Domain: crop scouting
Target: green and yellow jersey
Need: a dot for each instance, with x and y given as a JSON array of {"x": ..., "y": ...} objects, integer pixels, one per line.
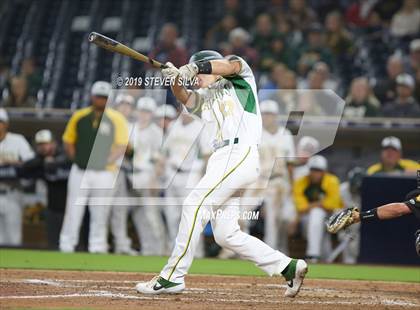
[
  {"x": 401, "y": 166},
  {"x": 328, "y": 193},
  {"x": 95, "y": 136}
]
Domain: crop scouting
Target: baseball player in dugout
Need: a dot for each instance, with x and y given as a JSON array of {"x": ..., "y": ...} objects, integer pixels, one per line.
[
  {"x": 227, "y": 97},
  {"x": 51, "y": 165},
  {"x": 14, "y": 149},
  {"x": 277, "y": 151},
  {"x": 183, "y": 150},
  {"x": 316, "y": 195},
  {"x": 391, "y": 159},
  {"x": 146, "y": 141},
  {"x": 124, "y": 103},
  {"x": 94, "y": 139}
]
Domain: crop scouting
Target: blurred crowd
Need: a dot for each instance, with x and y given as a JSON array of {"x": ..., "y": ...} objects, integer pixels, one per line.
[
  {"x": 367, "y": 51},
  {"x": 291, "y": 46}
]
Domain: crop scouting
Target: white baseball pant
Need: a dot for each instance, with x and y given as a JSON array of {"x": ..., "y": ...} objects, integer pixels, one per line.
[
  {"x": 92, "y": 188},
  {"x": 10, "y": 218},
  {"x": 119, "y": 215},
  {"x": 229, "y": 169},
  {"x": 319, "y": 241},
  {"x": 147, "y": 218},
  {"x": 275, "y": 228}
]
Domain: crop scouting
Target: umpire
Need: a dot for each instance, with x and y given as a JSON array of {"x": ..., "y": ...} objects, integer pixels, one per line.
[{"x": 95, "y": 137}]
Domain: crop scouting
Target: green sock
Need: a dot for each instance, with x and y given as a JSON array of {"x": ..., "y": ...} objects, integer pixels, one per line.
[{"x": 290, "y": 270}]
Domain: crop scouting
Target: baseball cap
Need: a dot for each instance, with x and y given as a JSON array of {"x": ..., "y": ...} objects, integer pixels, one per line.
[
  {"x": 308, "y": 145},
  {"x": 124, "y": 98},
  {"x": 318, "y": 162},
  {"x": 392, "y": 142},
  {"x": 4, "y": 117},
  {"x": 43, "y": 136},
  {"x": 166, "y": 110},
  {"x": 239, "y": 33},
  {"x": 101, "y": 88},
  {"x": 415, "y": 45},
  {"x": 269, "y": 106},
  {"x": 146, "y": 103},
  {"x": 405, "y": 79}
]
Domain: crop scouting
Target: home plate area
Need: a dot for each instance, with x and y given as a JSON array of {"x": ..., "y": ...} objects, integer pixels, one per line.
[{"x": 115, "y": 290}]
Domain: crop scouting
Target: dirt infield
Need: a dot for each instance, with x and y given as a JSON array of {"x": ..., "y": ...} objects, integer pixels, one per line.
[{"x": 115, "y": 290}]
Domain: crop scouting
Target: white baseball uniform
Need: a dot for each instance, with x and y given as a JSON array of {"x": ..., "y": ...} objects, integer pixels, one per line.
[
  {"x": 13, "y": 148},
  {"x": 146, "y": 143},
  {"x": 120, "y": 212},
  {"x": 182, "y": 148},
  {"x": 351, "y": 252},
  {"x": 232, "y": 104},
  {"x": 276, "y": 150}
]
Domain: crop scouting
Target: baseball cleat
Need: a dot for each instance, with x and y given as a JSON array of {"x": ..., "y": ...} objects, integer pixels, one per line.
[
  {"x": 159, "y": 285},
  {"x": 126, "y": 251},
  {"x": 294, "y": 284}
]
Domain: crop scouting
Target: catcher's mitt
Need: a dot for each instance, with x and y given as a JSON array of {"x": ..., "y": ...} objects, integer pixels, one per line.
[{"x": 341, "y": 220}]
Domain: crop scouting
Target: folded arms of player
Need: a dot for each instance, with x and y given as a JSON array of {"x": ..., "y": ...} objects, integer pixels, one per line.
[{"x": 331, "y": 199}]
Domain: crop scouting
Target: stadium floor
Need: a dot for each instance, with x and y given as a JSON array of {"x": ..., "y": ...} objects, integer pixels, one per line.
[{"x": 23, "y": 285}]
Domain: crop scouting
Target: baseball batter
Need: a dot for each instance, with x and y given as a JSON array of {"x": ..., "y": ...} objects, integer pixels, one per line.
[{"x": 227, "y": 96}]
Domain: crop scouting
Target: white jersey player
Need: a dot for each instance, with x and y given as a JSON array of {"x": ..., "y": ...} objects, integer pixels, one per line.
[
  {"x": 228, "y": 98},
  {"x": 124, "y": 104},
  {"x": 182, "y": 148},
  {"x": 306, "y": 147},
  {"x": 146, "y": 141},
  {"x": 277, "y": 152},
  {"x": 13, "y": 149}
]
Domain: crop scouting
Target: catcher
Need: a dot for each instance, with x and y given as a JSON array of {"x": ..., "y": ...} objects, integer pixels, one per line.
[{"x": 350, "y": 216}]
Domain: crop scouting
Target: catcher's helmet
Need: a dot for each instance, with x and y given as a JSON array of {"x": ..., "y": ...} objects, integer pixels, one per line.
[{"x": 205, "y": 55}]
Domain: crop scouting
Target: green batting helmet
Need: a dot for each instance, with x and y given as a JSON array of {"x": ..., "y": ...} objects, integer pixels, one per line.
[{"x": 205, "y": 55}]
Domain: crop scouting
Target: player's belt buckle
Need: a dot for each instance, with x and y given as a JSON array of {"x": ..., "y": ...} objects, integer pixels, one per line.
[{"x": 219, "y": 144}]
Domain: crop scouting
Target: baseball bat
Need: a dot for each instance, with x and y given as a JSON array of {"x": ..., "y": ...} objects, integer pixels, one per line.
[{"x": 117, "y": 47}]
